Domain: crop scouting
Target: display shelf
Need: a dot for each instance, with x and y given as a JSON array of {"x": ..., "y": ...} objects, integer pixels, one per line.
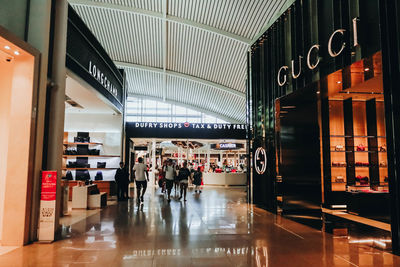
[
  {"x": 97, "y": 144},
  {"x": 65, "y": 169},
  {"x": 90, "y": 156}
]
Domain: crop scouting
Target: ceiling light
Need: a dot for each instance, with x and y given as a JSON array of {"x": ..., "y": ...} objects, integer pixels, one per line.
[
  {"x": 7, "y": 47},
  {"x": 366, "y": 69},
  {"x": 16, "y": 53},
  {"x": 339, "y": 82}
]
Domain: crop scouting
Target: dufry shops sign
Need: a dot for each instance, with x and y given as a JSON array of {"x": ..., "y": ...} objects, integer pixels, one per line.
[
  {"x": 312, "y": 58},
  {"x": 166, "y": 125},
  {"x": 186, "y": 130}
]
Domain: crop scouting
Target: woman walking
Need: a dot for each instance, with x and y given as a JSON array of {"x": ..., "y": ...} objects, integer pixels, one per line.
[{"x": 197, "y": 179}]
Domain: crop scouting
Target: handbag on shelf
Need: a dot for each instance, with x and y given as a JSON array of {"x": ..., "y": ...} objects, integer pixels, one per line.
[
  {"x": 82, "y": 175},
  {"x": 363, "y": 180},
  {"x": 101, "y": 165},
  {"x": 360, "y": 147},
  {"x": 382, "y": 164},
  {"x": 382, "y": 148},
  {"x": 339, "y": 179},
  {"x": 99, "y": 176},
  {"x": 68, "y": 176},
  {"x": 72, "y": 164},
  {"x": 94, "y": 151},
  {"x": 339, "y": 148}
]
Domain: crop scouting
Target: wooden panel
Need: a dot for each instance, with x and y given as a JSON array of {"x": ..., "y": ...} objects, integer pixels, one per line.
[{"x": 336, "y": 118}]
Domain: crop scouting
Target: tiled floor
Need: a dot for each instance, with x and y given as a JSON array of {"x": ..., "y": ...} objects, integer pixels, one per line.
[{"x": 216, "y": 228}]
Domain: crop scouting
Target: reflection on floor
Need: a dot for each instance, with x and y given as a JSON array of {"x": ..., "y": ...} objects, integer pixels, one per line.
[
  {"x": 76, "y": 215},
  {"x": 359, "y": 219},
  {"x": 216, "y": 228}
]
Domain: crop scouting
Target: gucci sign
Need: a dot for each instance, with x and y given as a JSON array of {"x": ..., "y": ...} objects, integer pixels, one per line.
[
  {"x": 260, "y": 160},
  {"x": 284, "y": 71}
]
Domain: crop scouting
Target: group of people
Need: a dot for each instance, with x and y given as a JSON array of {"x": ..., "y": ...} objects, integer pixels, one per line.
[{"x": 168, "y": 176}]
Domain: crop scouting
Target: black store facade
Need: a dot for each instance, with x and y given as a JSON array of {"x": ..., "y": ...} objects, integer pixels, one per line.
[
  {"x": 323, "y": 106},
  {"x": 94, "y": 114}
]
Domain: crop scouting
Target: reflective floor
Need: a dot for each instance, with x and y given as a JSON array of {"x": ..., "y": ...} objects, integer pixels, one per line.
[{"x": 216, "y": 228}]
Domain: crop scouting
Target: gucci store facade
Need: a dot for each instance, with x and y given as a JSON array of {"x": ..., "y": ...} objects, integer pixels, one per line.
[{"x": 323, "y": 115}]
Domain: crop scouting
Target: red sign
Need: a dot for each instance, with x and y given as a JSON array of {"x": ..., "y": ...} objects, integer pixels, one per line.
[{"x": 49, "y": 185}]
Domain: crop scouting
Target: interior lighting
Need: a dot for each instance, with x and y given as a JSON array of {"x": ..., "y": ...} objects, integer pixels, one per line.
[
  {"x": 366, "y": 69},
  {"x": 16, "y": 53},
  {"x": 7, "y": 47},
  {"x": 339, "y": 82}
]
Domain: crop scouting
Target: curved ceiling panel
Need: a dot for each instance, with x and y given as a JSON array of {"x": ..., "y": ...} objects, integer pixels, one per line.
[
  {"x": 207, "y": 55},
  {"x": 125, "y": 36},
  {"x": 152, "y": 5},
  {"x": 242, "y": 17}
]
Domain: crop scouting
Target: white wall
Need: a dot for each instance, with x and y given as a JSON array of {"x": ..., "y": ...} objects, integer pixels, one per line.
[{"x": 89, "y": 122}]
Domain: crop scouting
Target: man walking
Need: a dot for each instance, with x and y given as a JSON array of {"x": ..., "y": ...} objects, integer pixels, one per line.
[
  {"x": 140, "y": 175},
  {"x": 122, "y": 181},
  {"x": 169, "y": 171}
]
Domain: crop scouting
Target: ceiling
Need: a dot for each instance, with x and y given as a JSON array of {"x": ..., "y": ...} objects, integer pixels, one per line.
[{"x": 189, "y": 52}]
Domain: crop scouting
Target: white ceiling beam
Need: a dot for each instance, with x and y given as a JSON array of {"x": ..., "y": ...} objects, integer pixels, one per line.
[
  {"x": 158, "y": 15},
  {"x": 269, "y": 23},
  {"x": 165, "y": 46},
  {"x": 193, "y": 107},
  {"x": 181, "y": 75}
]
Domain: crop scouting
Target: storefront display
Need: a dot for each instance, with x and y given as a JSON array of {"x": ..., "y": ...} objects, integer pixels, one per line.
[{"x": 317, "y": 105}]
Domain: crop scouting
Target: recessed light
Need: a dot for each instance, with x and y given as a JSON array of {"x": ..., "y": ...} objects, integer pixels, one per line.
[
  {"x": 366, "y": 69},
  {"x": 339, "y": 82},
  {"x": 7, "y": 47},
  {"x": 16, "y": 53}
]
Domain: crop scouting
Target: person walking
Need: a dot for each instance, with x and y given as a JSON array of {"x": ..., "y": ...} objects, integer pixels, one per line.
[
  {"x": 169, "y": 171},
  {"x": 197, "y": 179},
  {"x": 140, "y": 176},
  {"x": 184, "y": 175},
  {"x": 122, "y": 181},
  {"x": 176, "y": 179}
]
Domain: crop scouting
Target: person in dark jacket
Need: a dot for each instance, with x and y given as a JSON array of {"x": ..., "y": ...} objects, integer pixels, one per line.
[{"x": 122, "y": 180}]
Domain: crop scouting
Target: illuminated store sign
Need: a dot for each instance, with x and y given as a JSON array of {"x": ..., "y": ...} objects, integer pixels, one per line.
[
  {"x": 166, "y": 125},
  {"x": 312, "y": 64},
  {"x": 186, "y": 130},
  {"x": 102, "y": 78},
  {"x": 260, "y": 160},
  {"x": 227, "y": 146}
]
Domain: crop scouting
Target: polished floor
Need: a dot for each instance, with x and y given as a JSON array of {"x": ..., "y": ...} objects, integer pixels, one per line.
[{"x": 216, "y": 228}]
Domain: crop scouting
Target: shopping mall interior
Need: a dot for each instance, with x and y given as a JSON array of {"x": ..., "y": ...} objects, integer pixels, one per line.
[{"x": 200, "y": 133}]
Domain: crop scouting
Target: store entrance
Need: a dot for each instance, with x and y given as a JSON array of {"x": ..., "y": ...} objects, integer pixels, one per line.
[
  {"x": 17, "y": 98},
  {"x": 222, "y": 162},
  {"x": 337, "y": 148}
]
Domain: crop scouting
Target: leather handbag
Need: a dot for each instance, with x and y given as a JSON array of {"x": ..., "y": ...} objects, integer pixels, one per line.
[
  {"x": 339, "y": 148},
  {"x": 339, "y": 179},
  {"x": 68, "y": 176},
  {"x": 360, "y": 147},
  {"x": 382, "y": 148},
  {"x": 101, "y": 165},
  {"x": 94, "y": 151},
  {"x": 99, "y": 176},
  {"x": 363, "y": 180},
  {"x": 82, "y": 175}
]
